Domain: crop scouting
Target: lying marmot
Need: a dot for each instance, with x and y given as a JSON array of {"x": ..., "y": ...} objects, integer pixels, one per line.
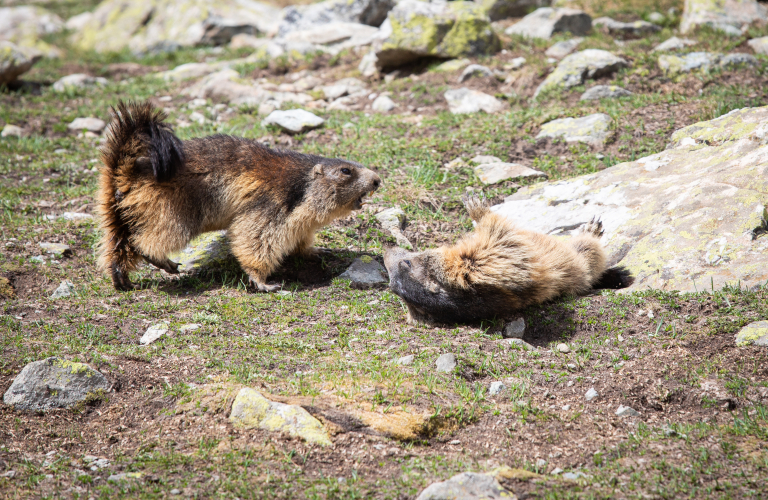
[
  {"x": 157, "y": 193},
  {"x": 498, "y": 269}
]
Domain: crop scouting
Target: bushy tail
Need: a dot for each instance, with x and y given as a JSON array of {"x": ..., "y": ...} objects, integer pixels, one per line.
[
  {"x": 140, "y": 129},
  {"x": 614, "y": 278}
]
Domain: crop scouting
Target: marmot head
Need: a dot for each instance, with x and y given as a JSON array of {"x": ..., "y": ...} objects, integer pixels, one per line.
[{"x": 346, "y": 182}]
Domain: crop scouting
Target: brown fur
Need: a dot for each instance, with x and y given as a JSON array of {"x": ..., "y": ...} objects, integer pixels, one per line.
[
  {"x": 157, "y": 193},
  {"x": 496, "y": 269}
]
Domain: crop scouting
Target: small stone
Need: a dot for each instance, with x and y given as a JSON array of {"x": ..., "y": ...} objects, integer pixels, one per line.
[
  {"x": 656, "y": 17},
  {"x": 674, "y": 43},
  {"x": 189, "y": 327},
  {"x": 454, "y": 442},
  {"x": 734, "y": 60},
  {"x": 9, "y": 474},
  {"x": 592, "y": 129},
  {"x": 123, "y": 476},
  {"x": 563, "y": 348},
  {"x": 405, "y": 360},
  {"x": 514, "y": 329},
  {"x": 759, "y": 45},
  {"x": 197, "y": 117},
  {"x": 383, "y": 104},
  {"x": 89, "y": 124},
  {"x": 452, "y": 65},
  {"x": 78, "y": 80},
  {"x": 566, "y": 407},
  {"x": 574, "y": 476},
  {"x": 541, "y": 463},
  {"x": 571, "y": 366},
  {"x": 475, "y": 70},
  {"x": 367, "y": 66},
  {"x": 604, "y": 92},
  {"x": 576, "y": 68},
  {"x": 753, "y": 334},
  {"x": 175, "y": 491},
  {"x": 562, "y": 49},
  {"x": 13, "y": 131},
  {"x": 365, "y": 272},
  {"x": 57, "y": 249},
  {"x": 393, "y": 220},
  {"x": 37, "y": 259},
  {"x": 446, "y": 363},
  {"x": 468, "y": 486},
  {"x": 480, "y": 159},
  {"x": 153, "y": 333},
  {"x": 636, "y": 28},
  {"x": 293, "y": 121},
  {"x": 556, "y": 471},
  {"x": 626, "y": 411},
  {"x": 546, "y": 21},
  {"x": 65, "y": 289},
  {"x": 518, "y": 343},
  {"x": 517, "y": 63},
  {"x": 495, "y": 388},
  {"x": 591, "y": 394},
  {"x": 463, "y": 100},
  {"x": 493, "y": 173}
]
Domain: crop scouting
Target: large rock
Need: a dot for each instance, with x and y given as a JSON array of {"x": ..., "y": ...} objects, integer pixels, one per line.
[
  {"x": 302, "y": 17},
  {"x": 463, "y": 100},
  {"x": 252, "y": 410},
  {"x": 148, "y": 25},
  {"x": 502, "y": 9},
  {"x": 689, "y": 218},
  {"x": 54, "y": 383},
  {"x": 577, "y": 68},
  {"x": 730, "y": 16},
  {"x": 466, "y": 486},
  {"x": 592, "y": 129},
  {"x": 420, "y": 29},
  {"x": 759, "y": 45},
  {"x": 635, "y": 28},
  {"x": 673, "y": 65},
  {"x": 546, "y": 21},
  {"x": 24, "y": 25},
  {"x": 14, "y": 62}
]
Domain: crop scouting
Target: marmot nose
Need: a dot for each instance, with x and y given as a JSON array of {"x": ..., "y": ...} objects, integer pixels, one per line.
[{"x": 376, "y": 183}]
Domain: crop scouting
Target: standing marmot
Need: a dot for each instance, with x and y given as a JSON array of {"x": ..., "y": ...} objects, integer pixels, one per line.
[
  {"x": 157, "y": 192},
  {"x": 498, "y": 269}
]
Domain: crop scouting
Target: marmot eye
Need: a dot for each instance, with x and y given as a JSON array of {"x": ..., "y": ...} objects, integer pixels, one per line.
[
  {"x": 407, "y": 263},
  {"x": 346, "y": 171}
]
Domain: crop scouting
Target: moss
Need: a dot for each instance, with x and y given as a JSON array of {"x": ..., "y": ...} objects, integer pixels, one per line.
[{"x": 74, "y": 367}]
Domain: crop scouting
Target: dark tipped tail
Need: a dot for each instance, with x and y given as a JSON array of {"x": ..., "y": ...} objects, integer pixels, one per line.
[
  {"x": 614, "y": 278},
  {"x": 139, "y": 138}
]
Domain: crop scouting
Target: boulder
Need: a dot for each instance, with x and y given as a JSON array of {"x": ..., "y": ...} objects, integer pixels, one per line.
[
  {"x": 592, "y": 129},
  {"x": 604, "y": 92},
  {"x": 673, "y": 65},
  {"x": 503, "y": 9},
  {"x": 562, "y": 49},
  {"x": 54, "y": 383},
  {"x": 464, "y": 100},
  {"x": 152, "y": 25},
  {"x": 466, "y": 486},
  {"x": 759, "y": 45},
  {"x": 78, "y": 80},
  {"x": 14, "y": 62},
  {"x": 546, "y": 21},
  {"x": 674, "y": 43},
  {"x": 24, "y": 25},
  {"x": 755, "y": 333},
  {"x": 635, "y": 28},
  {"x": 493, "y": 173},
  {"x": 689, "y": 218},
  {"x": 729, "y": 16},
  {"x": 294, "y": 121},
  {"x": 302, "y": 17},
  {"x": 577, "y": 68},
  {"x": 252, "y": 410},
  {"x": 365, "y": 272},
  {"x": 449, "y": 30}
]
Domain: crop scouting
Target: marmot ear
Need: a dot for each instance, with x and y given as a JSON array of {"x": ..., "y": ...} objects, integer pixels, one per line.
[{"x": 318, "y": 170}]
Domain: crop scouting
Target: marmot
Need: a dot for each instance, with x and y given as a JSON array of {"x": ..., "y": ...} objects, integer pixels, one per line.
[
  {"x": 498, "y": 269},
  {"x": 157, "y": 192}
]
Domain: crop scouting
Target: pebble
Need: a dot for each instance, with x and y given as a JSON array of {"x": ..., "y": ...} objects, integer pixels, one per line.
[
  {"x": 153, "y": 333},
  {"x": 563, "y": 348},
  {"x": 446, "y": 363},
  {"x": 89, "y": 124},
  {"x": 591, "y": 129},
  {"x": 556, "y": 471},
  {"x": 57, "y": 249},
  {"x": 189, "y": 327},
  {"x": 78, "y": 80},
  {"x": 517, "y": 63},
  {"x": 566, "y": 407},
  {"x": 65, "y": 289},
  {"x": 571, "y": 366},
  {"x": 519, "y": 343},
  {"x": 393, "y": 220},
  {"x": 514, "y": 329},
  {"x": 452, "y": 65},
  {"x": 383, "y": 104},
  {"x": 197, "y": 117},
  {"x": 674, "y": 43},
  {"x": 591, "y": 394},
  {"x": 541, "y": 463},
  {"x": 464, "y": 100},
  {"x": 495, "y": 388},
  {"x": 175, "y": 491},
  {"x": 405, "y": 360},
  {"x": 573, "y": 476},
  {"x": 626, "y": 411}
]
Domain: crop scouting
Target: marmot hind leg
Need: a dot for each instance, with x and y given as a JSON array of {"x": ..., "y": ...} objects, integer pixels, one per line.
[
  {"x": 587, "y": 245},
  {"x": 166, "y": 264},
  {"x": 477, "y": 206}
]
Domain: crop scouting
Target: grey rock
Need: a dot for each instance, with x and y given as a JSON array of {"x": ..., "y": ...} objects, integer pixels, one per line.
[
  {"x": 636, "y": 28},
  {"x": 673, "y": 65},
  {"x": 365, "y": 272},
  {"x": 78, "y": 80},
  {"x": 57, "y": 249},
  {"x": 592, "y": 129},
  {"x": 368, "y": 64},
  {"x": 518, "y": 343},
  {"x": 452, "y": 65},
  {"x": 466, "y": 486},
  {"x": 755, "y": 333},
  {"x": 463, "y": 100},
  {"x": 393, "y": 220},
  {"x": 446, "y": 363},
  {"x": 336, "y": 36},
  {"x": 346, "y": 86},
  {"x": 759, "y": 45},
  {"x": 591, "y": 394},
  {"x": 37, "y": 259},
  {"x": 493, "y": 173},
  {"x": 674, "y": 43},
  {"x": 474, "y": 70},
  {"x": 123, "y": 476},
  {"x": 496, "y": 388},
  {"x": 383, "y": 104},
  {"x": 54, "y": 383},
  {"x": 574, "y": 476},
  {"x": 405, "y": 360},
  {"x": 189, "y": 327},
  {"x": 91, "y": 124},
  {"x": 577, "y": 68},
  {"x": 293, "y": 121},
  {"x": 153, "y": 333},
  {"x": 656, "y": 17},
  {"x": 729, "y": 16},
  {"x": 299, "y": 17},
  {"x": 604, "y": 92},
  {"x": 70, "y": 216},
  {"x": 14, "y": 61},
  {"x": 26, "y": 25},
  {"x": 734, "y": 60},
  {"x": 175, "y": 491},
  {"x": 546, "y": 21},
  {"x": 65, "y": 289},
  {"x": 13, "y": 131},
  {"x": 562, "y": 49},
  {"x": 503, "y": 9},
  {"x": 626, "y": 411},
  {"x": 652, "y": 209},
  {"x": 517, "y": 63},
  {"x": 541, "y": 463},
  {"x": 563, "y": 348},
  {"x": 78, "y": 22},
  {"x": 514, "y": 329}
]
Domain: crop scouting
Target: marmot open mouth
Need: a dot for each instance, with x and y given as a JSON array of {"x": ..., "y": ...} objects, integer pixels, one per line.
[{"x": 361, "y": 201}]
